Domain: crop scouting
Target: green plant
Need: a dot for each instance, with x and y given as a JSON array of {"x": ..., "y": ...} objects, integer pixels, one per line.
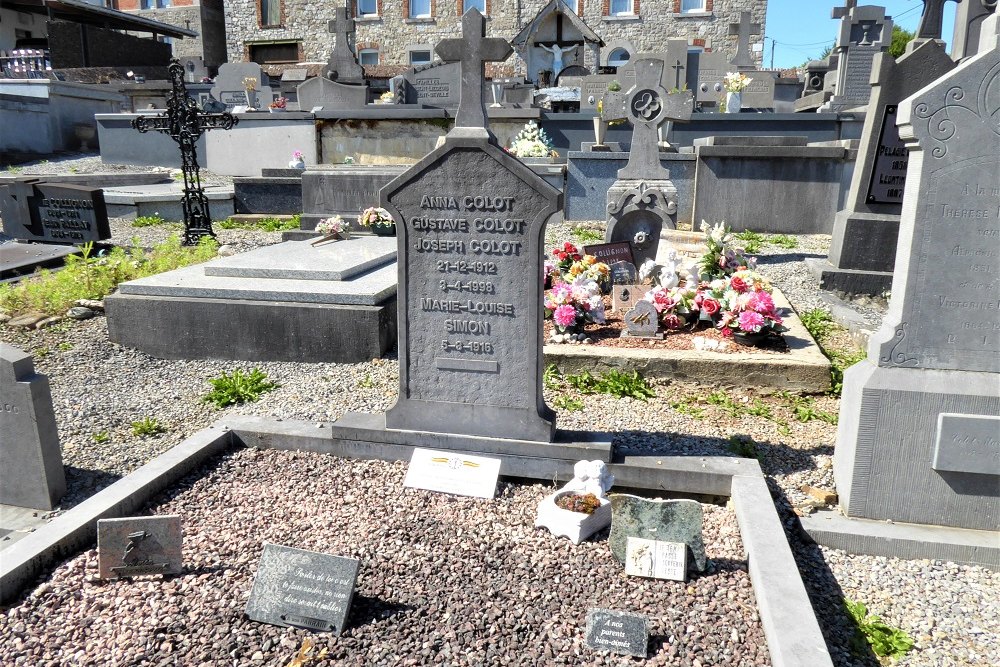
[
  {"x": 366, "y": 382},
  {"x": 72, "y": 170},
  {"x": 147, "y": 426},
  {"x": 551, "y": 377},
  {"x": 42, "y": 352},
  {"x": 783, "y": 241},
  {"x": 614, "y": 382},
  {"x": 841, "y": 360},
  {"x": 14, "y": 170},
  {"x": 819, "y": 323},
  {"x": 752, "y": 241},
  {"x": 100, "y": 437},
  {"x": 65, "y": 346},
  {"x": 269, "y": 224},
  {"x": 686, "y": 407},
  {"x": 884, "y": 639},
  {"x": 900, "y": 38},
  {"x": 239, "y": 387},
  {"x": 147, "y": 221},
  {"x": 584, "y": 235},
  {"x": 568, "y": 403},
  {"x": 804, "y": 409},
  {"x": 743, "y": 446}
]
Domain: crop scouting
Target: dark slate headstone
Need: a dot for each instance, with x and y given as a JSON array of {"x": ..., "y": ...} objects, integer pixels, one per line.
[
  {"x": 303, "y": 589},
  {"x": 623, "y": 273},
  {"x": 610, "y": 253},
  {"x": 470, "y": 220},
  {"x": 663, "y": 520},
  {"x": 436, "y": 85},
  {"x": 34, "y": 210},
  {"x": 31, "y": 472},
  {"x": 617, "y": 632},
  {"x": 139, "y": 546}
]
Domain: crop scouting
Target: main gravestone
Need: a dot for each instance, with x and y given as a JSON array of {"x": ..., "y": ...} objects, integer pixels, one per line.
[
  {"x": 918, "y": 440},
  {"x": 864, "y": 32},
  {"x": 342, "y": 84}
]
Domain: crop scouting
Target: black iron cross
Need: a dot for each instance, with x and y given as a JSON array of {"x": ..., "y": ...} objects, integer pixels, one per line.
[
  {"x": 473, "y": 50},
  {"x": 742, "y": 31},
  {"x": 184, "y": 122},
  {"x": 932, "y": 20}
]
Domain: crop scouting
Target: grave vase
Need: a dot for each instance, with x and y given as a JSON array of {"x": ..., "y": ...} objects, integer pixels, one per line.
[
  {"x": 384, "y": 230},
  {"x": 600, "y": 130},
  {"x": 734, "y": 102}
]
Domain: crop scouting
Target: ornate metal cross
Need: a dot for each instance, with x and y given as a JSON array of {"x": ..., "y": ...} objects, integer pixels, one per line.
[
  {"x": 184, "y": 122},
  {"x": 473, "y": 50},
  {"x": 742, "y": 31}
]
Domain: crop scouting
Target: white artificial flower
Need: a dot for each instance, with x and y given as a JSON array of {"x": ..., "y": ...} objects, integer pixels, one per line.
[{"x": 647, "y": 269}]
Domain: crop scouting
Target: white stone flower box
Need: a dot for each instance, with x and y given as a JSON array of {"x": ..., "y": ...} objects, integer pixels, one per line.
[{"x": 577, "y": 526}]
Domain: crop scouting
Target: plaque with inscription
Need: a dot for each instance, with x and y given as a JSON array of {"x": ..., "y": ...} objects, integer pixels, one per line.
[
  {"x": 451, "y": 472},
  {"x": 138, "y": 546},
  {"x": 617, "y": 632},
  {"x": 889, "y": 165},
  {"x": 656, "y": 559},
  {"x": 302, "y": 589},
  {"x": 53, "y": 213},
  {"x": 609, "y": 253},
  {"x": 968, "y": 444}
]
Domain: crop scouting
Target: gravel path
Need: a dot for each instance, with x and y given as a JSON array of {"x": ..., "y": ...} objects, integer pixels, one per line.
[{"x": 100, "y": 388}]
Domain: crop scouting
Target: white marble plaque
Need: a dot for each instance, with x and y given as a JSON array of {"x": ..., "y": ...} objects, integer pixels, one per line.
[
  {"x": 659, "y": 560},
  {"x": 451, "y": 472}
]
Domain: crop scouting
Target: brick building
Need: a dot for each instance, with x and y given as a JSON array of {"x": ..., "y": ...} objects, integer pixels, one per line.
[
  {"x": 391, "y": 35},
  {"x": 205, "y": 17}
]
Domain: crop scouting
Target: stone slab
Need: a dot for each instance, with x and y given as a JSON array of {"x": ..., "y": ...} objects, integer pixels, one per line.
[
  {"x": 21, "y": 259},
  {"x": 662, "y": 520},
  {"x": 35, "y": 210},
  {"x": 968, "y": 444},
  {"x": 617, "y": 632},
  {"x": 330, "y": 95},
  {"x": 139, "y": 546},
  {"x": 268, "y": 194},
  {"x": 299, "y": 260},
  {"x": 849, "y": 281}
]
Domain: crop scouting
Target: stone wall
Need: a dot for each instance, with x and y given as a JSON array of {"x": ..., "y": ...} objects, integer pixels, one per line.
[
  {"x": 206, "y": 17},
  {"x": 392, "y": 32}
]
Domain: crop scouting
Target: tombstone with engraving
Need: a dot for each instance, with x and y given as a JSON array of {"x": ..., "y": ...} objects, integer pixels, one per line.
[
  {"x": 864, "y": 32},
  {"x": 436, "y": 85},
  {"x": 917, "y": 440},
  {"x": 41, "y": 212},
  {"x": 342, "y": 85},
  {"x": 674, "y": 75},
  {"x": 712, "y": 69},
  {"x": 760, "y": 93},
  {"x": 863, "y": 247},
  {"x": 643, "y": 200},
  {"x": 230, "y": 90}
]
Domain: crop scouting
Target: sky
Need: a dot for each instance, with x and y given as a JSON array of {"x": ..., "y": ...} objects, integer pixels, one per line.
[{"x": 801, "y": 29}]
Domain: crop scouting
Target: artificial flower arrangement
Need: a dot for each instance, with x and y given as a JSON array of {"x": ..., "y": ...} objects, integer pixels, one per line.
[
  {"x": 375, "y": 215},
  {"x": 531, "y": 141},
  {"x": 736, "y": 82},
  {"x": 331, "y": 228},
  {"x": 297, "y": 161},
  {"x": 386, "y": 98},
  {"x": 577, "y": 282},
  {"x": 722, "y": 257},
  {"x": 278, "y": 103},
  {"x": 747, "y": 307}
]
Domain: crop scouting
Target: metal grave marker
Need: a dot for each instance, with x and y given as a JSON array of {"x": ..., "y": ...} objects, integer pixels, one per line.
[{"x": 138, "y": 546}]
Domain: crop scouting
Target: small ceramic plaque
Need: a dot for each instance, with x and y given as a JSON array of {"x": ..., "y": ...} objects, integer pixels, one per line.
[
  {"x": 138, "y": 546},
  {"x": 609, "y": 253},
  {"x": 451, "y": 472},
  {"x": 660, "y": 560}
]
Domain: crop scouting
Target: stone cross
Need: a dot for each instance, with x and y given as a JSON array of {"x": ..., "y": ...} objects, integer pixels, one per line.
[
  {"x": 742, "y": 31},
  {"x": 932, "y": 19},
  {"x": 678, "y": 68},
  {"x": 841, "y": 12},
  {"x": 343, "y": 66},
  {"x": 474, "y": 49}
]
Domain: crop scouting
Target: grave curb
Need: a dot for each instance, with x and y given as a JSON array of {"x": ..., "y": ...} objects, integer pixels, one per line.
[{"x": 77, "y": 528}]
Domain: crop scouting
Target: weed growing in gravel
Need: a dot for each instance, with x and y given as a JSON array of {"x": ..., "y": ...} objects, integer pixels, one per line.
[
  {"x": 782, "y": 241},
  {"x": 614, "y": 382},
  {"x": 840, "y": 361},
  {"x": 65, "y": 346},
  {"x": 743, "y": 446},
  {"x": 87, "y": 276},
  {"x": 804, "y": 409},
  {"x": 263, "y": 225},
  {"x": 584, "y": 235},
  {"x": 366, "y": 382},
  {"x": 551, "y": 377},
  {"x": 687, "y": 407},
  {"x": 13, "y": 170},
  {"x": 41, "y": 352},
  {"x": 884, "y": 639},
  {"x": 819, "y": 323},
  {"x": 100, "y": 437},
  {"x": 147, "y": 221},
  {"x": 737, "y": 409},
  {"x": 752, "y": 241},
  {"x": 238, "y": 388},
  {"x": 568, "y": 403},
  {"x": 147, "y": 426}
]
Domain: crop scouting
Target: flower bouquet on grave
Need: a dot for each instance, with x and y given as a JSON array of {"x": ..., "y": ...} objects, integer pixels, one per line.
[
  {"x": 332, "y": 229},
  {"x": 250, "y": 88},
  {"x": 676, "y": 307},
  {"x": 748, "y": 313},
  {"x": 722, "y": 257},
  {"x": 378, "y": 220},
  {"x": 297, "y": 162},
  {"x": 531, "y": 141},
  {"x": 571, "y": 305},
  {"x": 279, "y": 104},
  {"x": 736, "y": 82}
]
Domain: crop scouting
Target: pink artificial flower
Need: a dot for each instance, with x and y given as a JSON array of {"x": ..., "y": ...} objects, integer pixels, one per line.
[
  {"x": 672, "y": 322},
  {"x": 565, "y": 316},
  {"x": 761, "y": 302},
  {"x": 661, "y": 300},
  {"x": 710, "y": 305},
  {"x": 751, "y": 321}
]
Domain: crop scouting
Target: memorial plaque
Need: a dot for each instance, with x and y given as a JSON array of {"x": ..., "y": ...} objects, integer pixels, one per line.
[
  {"x": 968, "y": 443},
  {"x": 617, "y": 632},
  {"x": 760, "y": 93},
  {"x": 593, "y": 88},
  {"x": 448, "y": 472},
  {"x": 889, "y": 165},
  {"x": 655, "y": 559},
  {"x": 642, "y": 321},
  {"x": 435, "y": 85},
  {"x": 624, "y": 297},
  {"x": 624, "y": 273},
  {"x": 655, "y": 519},
  {"x": 53, "y": 213},
  {"x": 303, "y": 589},
  {"x": 712, "y": 69},
  {"x": 138, "y": 546},
  {"x": 609, "y": 253}
]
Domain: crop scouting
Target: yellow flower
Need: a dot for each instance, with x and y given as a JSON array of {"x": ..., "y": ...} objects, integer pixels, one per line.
[{"x": 589, "y": 260}]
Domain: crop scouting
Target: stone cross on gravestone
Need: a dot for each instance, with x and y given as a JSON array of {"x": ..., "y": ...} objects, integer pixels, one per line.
[
  {"x": 742, "y": 32},
  {"x": 932, "y": 19},
  {"x": 841, "y": 12},
  {"x": 678, "y": 68},
  {"x": 185, "y": 123},
  {"x": 474, "y": 49},
  {"x": 343, "y": 67}
]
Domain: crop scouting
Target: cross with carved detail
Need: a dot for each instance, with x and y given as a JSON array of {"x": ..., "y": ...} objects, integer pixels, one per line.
[
  {"x": 932, "y": 19},
  {"x": 342, "y": 65},
  {"x": 473, "y": 50},
  {"x": 742, "y": 32},
  {"x": 185, "y": 123}
]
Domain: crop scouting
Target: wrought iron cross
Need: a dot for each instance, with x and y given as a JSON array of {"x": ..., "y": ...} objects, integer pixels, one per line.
[
  {"x": 184, "y": 122},
  {"x": 742, "y": 31},
  {"x": 473, "y": 50}
]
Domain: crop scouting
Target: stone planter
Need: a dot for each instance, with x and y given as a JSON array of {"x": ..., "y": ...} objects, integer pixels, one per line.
[
  {"x": 734, "y": 102},
  {"x": 577, "y": 526}
]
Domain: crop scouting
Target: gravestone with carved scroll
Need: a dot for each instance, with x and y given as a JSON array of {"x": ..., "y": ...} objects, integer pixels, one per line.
[
  {"x": 864, "y": 32},
  {"x": 919, "y": 419},
  {"x": 643, "y": 200}
]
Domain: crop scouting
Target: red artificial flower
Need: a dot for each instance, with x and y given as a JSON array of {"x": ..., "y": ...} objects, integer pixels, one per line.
[
  {"x": 738, "y": 284},
  {"x": 710, "y": 305}
]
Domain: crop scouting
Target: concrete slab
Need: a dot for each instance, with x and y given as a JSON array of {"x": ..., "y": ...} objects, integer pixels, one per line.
[
  {"x": 16, "y": 523},
  {"x": 21, "y": 259},
  {"x": 163, "y": 200},
  {"x": 298, "y": 260}
]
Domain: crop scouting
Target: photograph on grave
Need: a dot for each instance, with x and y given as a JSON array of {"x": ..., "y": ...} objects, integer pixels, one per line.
[
  {"x": 303, "y": 589},
  {"x": 656, "y": 559},
  {"x": 617, "y": 632},
  {"x": 448, "y": 472},
  {"x": 139, "y": 546}
]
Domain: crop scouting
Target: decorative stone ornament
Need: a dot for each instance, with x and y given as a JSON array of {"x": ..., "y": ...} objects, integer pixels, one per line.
[{"x": 589, "y": 477}]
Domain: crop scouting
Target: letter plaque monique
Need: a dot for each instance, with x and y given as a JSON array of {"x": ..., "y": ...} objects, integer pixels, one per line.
[{"x": 470, "y": 220}]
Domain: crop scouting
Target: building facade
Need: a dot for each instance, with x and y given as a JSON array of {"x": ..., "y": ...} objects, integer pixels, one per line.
[
  {"x": 395, "y": 34},
  {"x": 206, "y": 17}
]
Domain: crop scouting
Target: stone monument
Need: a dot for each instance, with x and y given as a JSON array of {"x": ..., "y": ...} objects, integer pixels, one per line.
[
  {"x": 342, "y": 84},
  {"x": 863, "y": 247},
  {"x": 864, "y": 32},
  {"x": 969, "y": 17},
  {"x": 742, "y": 31},
  {"x": 230, "y": 90},
  {"x": 643, "y": 200},
  {"x": 31, "y": 473},
  {"x": 918, "y": 436}
]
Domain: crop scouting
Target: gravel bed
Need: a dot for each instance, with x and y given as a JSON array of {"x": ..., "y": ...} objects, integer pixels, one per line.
[
  {"x": 88, "y": 163},
  {"x": 443, "y": 580}
]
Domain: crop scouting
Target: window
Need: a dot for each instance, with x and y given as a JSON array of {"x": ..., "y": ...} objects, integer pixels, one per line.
[
  {"x": 618, "y": 57},
  {"x": 270, "y": 12},
  {"x": 281, "y": 52},
  {"x": 368, "y": 57},
  {"x": 420, "y": 57},
  {"x": 573, "y": 5},
  {"x": 367, "y": 7},
  {"x": 692, "y": 6},
  {"x": 478, "y": 4},
  {"x": 420, "y": 9},
  {"x": 153, "y": 4},
  {"x": 621, "y": 7}
]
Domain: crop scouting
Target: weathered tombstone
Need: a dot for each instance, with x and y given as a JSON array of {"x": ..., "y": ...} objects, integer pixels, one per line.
[
  {"x": 643, "y": 200},
  {"x": 303, "y": 589},
  {"x": 863, "y": 246},
  {"x": 34, "y": 210},
  {"x": 742, "y": 31},
  {"x": 593, "y": 88},
  {"x": 864, "y": 32},
  {"x": 937, "y": 354},
  {"x": 448, "y": 472},
  {"x": 470, "y": 220},
  {"x": 611, "y": 253},
  {"x": 674, "y": 74},
  {"x": 712, "y": 69},
  {"x": 436, "y": 85},
  {"x": 642, "y": 320},
  {"x": 623, "y": 273},
  {"x": 342, "y": 66},
  {"x": 229, "y": 88},
  {"x": 31, "y": 474},
  {"x": 330, "y": 95},
  {"x": 665, "y": 520},
  {"x": 617, "y": 632},
  {"x": 139, "y": 546},
  {"x": 969, "y": 17}
]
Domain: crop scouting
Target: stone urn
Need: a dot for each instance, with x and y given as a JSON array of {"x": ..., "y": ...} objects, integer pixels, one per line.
[
  {"x": 734, "y": 102},
  {"x": 85, "y": 132}
]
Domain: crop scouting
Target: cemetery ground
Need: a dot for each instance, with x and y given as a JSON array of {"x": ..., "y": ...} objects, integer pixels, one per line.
[{"x": 444, "y": 579}]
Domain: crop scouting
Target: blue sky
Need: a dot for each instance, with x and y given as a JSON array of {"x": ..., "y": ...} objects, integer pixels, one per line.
[{"x": 802, "y": 28}]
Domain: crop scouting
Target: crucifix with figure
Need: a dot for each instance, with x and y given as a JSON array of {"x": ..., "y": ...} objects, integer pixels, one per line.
[
  {"x": 473, "y": 51},
  {"x": 185, "y": 123},
  {"x": 742, "y": 32}
]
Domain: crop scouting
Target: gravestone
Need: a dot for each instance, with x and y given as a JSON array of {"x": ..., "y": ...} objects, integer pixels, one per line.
[
  {"x": 656, "y": 559},
  {"x": 743, "y": 31},
  {"x": 32, "y": 472},
  {"x": 712, "y": 69},
  {"x": 863, "y": 246},
  {"x": 303, "y": 589},
  {"x": 593, "y": 88},
  {"x": 969, "y": 18},
  {"x": 436, "y": 85},
  {"x": 470, "y": 220},
  {"x": 617, "y": 632},
  {"x": 864, "y": 32},
  {"x": 643, "y": 200},
  {"x": 139, "y": 546},
  {"x": 34, "y": 210},
  {"x": 611, "y": 253},
  {"x": 342, "y": 66},
  {"x": 624, "y": 296},
  {"x": 938, "y": 351},
  {"x": 674, "y": 74},
  {"x": 330, "y": 95},
  {"x": 229, "y": 88},
  {"x": 665, "y": 520},
  {"x": 759, "y": 94}
]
